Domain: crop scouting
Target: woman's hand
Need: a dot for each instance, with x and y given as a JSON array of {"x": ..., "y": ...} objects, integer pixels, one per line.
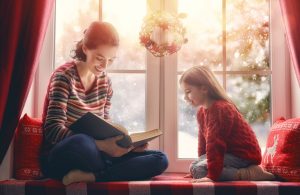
[
  {"x": 204, "y": 179},
  {"x": 110, "y": 146},
  {"x": 141, "y": 148}
]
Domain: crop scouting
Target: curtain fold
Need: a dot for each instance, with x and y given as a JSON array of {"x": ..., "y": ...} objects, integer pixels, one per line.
[
  {"x": 23, "y": 26},
  {"x": 290, "y": 10}
]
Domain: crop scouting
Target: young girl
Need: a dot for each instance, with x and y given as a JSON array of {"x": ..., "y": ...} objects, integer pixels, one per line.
[
  {"x": 81, "y": 86},
  {"x": 227, "y": 146}
]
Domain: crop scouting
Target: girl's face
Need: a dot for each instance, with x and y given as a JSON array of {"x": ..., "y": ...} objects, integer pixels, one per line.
[
  {"x": 97, "y": 60},
  {"x": 195, "y": 95}
]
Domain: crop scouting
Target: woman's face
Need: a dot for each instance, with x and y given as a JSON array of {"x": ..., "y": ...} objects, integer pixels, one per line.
[
  {"x": 98, "y": 59},
  {"x": 194, "y": 95}
]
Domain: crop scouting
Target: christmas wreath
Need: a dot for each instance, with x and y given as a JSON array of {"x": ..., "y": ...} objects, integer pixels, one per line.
[{"x": 162, "y": 33}]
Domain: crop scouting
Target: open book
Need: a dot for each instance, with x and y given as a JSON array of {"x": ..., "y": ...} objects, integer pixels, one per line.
[{"x": 100, "y": 129}]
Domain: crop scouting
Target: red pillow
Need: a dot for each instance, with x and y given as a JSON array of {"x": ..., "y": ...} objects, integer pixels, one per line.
[
  {"x": 282, "y": 155},
  {"x": 27, "y": 145}
]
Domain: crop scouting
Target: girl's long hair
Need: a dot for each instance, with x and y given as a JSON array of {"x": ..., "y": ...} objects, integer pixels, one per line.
[{"x": 202, "y": 76}]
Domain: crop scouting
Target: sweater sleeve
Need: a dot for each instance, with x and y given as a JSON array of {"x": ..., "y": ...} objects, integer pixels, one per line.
[
  {"x": 201, "y": 144},
  {"x": 108, "y": 98},
  {"x": 220, "y": 121},
  {"x": 201, "y": 138},
  {"x": 58, "y": 94}
]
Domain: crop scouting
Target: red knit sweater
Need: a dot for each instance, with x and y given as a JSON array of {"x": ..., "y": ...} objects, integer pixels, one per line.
[{"x": 222, "y": 129}]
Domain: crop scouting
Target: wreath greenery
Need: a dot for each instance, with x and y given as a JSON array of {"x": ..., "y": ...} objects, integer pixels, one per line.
[{"x": 162, "y": 33}]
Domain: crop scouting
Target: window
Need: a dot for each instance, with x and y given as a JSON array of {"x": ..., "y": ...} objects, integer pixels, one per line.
[
  {"x": 240, "y": 60},
  {"x": 128, "y": 71},
  {"x": 146, "y": 88}
]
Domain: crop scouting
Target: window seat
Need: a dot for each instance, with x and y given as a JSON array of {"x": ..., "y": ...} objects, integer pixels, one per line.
[{"x": 166, "y": 184}]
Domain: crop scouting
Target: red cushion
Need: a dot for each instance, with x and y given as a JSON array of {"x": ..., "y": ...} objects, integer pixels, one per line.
[
  {"x": 282, "y": 155},
  {"x": 28, "y": 140}
]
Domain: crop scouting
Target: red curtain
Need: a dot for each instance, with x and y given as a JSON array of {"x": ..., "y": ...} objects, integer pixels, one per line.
[
  {"x": 23, "y": 24},
  {"x": 291, "y": 17}
]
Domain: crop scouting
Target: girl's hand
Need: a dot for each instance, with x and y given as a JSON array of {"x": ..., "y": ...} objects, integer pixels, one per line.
[
  {"x": 204, "y": 179},
  {"x": 110, "y": 146},
  {"x": 141, "y": 148},
  {"x": 188, "y": 176}
]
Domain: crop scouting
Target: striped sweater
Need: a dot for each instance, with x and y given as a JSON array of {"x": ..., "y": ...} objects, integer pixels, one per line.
[{"x": 66, "y": 100}]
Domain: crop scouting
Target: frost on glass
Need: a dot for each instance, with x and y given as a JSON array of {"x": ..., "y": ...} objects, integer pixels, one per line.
[
  {"x": 127, "y": 16},
  {"x": 72, "y": 17},
  {"x": 128, "y": 101},
  {"x": 247, "y": 34},
  {"x": 251, "y": 94},
  {"x": 204, "y": 32},
  {"x": 188, "y": 129}
]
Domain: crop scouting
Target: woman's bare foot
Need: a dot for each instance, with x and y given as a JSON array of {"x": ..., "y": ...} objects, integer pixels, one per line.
[{"x": 78, "y": 176}]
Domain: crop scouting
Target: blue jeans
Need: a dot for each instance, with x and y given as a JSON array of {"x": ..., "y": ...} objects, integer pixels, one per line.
[
  {"x": 198, "y": 168},
  {"x": 80, "y": 152}
]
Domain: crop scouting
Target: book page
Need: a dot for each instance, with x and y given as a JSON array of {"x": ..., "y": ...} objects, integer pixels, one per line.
[{"x": 147, "y": 135}]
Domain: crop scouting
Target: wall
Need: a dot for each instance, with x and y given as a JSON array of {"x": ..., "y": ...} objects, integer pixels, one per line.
[
  {"x": 6, "y": 166},
  {"x": 295, "y": 94}
]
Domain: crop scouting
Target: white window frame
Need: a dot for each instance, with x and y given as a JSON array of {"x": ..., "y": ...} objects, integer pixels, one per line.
[
  {"x": 45, "y": 67},
  {"x": 161, "y": 84},
  {"x": 280, "y": 89}
]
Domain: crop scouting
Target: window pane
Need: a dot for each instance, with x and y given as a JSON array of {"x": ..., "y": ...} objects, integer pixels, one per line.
[
  {"x": 247, "y": 50},
  {"x": 251, "y": 94},
  {"x": 128, "y": 101},
  {"x": 188, "y": 129},
  {"x": 247, "y": 34},
  {"x": 127, "y": 16},
  {"x": 187, "y": 126},
  {"x": 204, "y": 32},
  {"x": 70, "y": 24}
]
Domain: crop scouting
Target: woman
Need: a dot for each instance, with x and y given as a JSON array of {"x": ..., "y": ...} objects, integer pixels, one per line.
[{"x": 82, "y": 86}]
